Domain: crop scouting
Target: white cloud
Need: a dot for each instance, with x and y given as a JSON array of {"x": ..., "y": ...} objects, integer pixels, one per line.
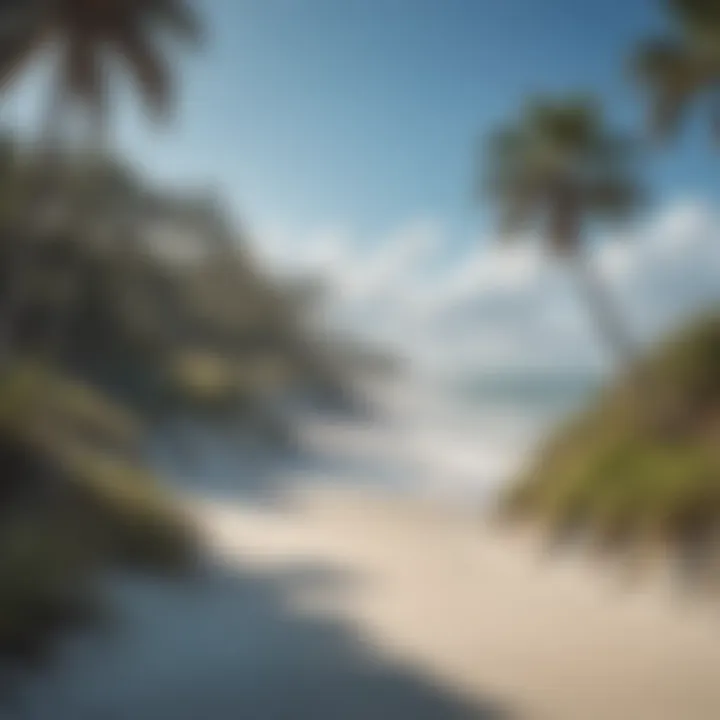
[{"x": 494, "y": 305}]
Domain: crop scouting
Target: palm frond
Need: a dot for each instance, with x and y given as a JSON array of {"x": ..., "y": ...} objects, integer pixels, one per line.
[
  {"x": 566, "y": 127},
  {"x": 699, "y": 18},
  {"x": 662, "y": 60},
  {"x": 149, "y": 69},
  {"x": 180, "y": 17},
  {"x": 88, "y": 32},
  {"x": 614, "y": 197},
  {"x": 22, "y": 32},
  {"x": 672, "y": 75}
]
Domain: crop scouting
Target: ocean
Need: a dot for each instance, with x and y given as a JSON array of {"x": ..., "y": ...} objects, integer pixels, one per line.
[
  {"x": 460, "y": 439},
  {"x": 457, "y": 440}
]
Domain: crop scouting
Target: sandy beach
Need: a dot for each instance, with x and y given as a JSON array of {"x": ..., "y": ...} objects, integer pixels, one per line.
[
  {"x": 361, "y": 604},
  {"x": 360, "y": 581},
  {"x": 482, "y": 613}
]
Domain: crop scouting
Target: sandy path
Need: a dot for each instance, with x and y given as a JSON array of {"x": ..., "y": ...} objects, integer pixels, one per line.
[{"x": 483, "y": 615}]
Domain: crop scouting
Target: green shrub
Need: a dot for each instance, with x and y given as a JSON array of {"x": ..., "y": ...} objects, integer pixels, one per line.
[
  {"x": 131, "y": 519},
  {"x": 45, "y": 587},
  {"x": 620, "y": 479},
  {"x": 75, "y": 503}
]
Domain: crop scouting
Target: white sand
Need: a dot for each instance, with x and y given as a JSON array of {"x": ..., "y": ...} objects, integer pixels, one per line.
[{"x": 483, "y": 614}]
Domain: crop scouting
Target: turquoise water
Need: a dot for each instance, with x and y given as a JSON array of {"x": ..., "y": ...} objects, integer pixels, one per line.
[{"x": 548, "y": 393}]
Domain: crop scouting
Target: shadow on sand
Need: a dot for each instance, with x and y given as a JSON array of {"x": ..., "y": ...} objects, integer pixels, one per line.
[
  {"x": 242, "y": 642},
  {"x": 237, "y": 645}
]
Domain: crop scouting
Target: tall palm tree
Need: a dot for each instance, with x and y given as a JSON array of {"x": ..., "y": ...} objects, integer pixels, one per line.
[
  {"x": 682, "y": 67},
  {"x": 88, "y": 39},
  {"x": 556, "y": 170}
]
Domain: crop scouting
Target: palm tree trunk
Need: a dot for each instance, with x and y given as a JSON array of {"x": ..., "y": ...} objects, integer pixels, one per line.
[
  {"x": 608, "y": 320},
  {"x": 649, "y": 399}
]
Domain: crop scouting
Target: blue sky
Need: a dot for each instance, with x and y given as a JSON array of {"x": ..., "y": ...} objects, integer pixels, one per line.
[
  {"x": 344, "y": 134},
  {"x": 365, "y": 113},
  {"x": 368, "y": 112}
]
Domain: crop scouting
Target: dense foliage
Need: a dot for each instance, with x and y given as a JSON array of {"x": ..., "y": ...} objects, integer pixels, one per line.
[
  {"x": 133, "y": 307},
  {"x": 615, "y": 476}
]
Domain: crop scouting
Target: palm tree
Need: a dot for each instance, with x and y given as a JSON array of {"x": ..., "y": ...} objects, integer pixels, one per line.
[
  {"x": 87, "y": 38},
  {"x": 556, "y": 169},
  {"x": 683, "y": 66}
]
